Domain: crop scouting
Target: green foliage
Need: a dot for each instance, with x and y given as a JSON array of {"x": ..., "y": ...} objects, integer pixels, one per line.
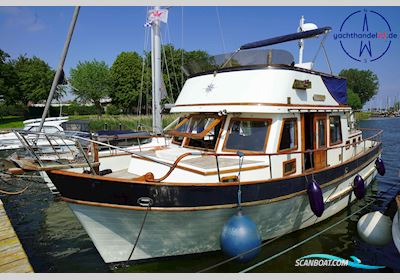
[
  {"x": 126, "y": 122},
  {"x": 362, "y": 115},
  {"x": 354, "y": 100},
  {"x": 113, "y": 110},
  {"x": 171, "y": 66},
  {"x": 12, "y": 110},
  {"x": 34, "y": 112},
  {"x": 126, "y": 73},
  {"x": 11, "y": 122},
  {"x": 34, "y": 78},
  {"x": 76, "y": 108},
  {"x": 363, "y": 83},
  {"x": 8, "y": 79},
  {"x": 91, "y": 81}
]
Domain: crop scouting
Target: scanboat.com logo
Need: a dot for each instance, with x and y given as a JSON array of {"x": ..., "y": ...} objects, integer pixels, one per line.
[
  {"x": 365, "y": 36},
  {"x": 330, "y": 260}
]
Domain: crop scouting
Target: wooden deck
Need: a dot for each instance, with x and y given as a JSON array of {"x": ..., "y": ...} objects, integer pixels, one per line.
[{"x": 12, "y": 255}]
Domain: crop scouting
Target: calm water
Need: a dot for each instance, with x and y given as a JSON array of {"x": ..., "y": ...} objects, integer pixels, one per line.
[{"x": 55, "y": 241}]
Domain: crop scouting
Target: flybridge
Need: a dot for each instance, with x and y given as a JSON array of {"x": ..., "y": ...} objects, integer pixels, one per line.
[
  {"x": 246, "y": 55},
  {"x": 245, "y": 58}
]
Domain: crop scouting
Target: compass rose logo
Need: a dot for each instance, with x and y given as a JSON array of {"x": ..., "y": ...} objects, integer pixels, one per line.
[{"x": 365, "y": 36}]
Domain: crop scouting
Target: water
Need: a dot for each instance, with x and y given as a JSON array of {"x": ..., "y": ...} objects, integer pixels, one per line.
[{"x": 56, "y": 242}]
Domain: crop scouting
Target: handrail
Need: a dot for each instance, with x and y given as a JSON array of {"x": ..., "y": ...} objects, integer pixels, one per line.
[
  {"x": 61, "y": 136},
  {"x": 181, "y": 157}
]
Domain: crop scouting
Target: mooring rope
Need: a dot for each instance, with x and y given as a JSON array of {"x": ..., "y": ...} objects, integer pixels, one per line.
[
  {"x": 13, "y": 193},
  {"x": 20, "y": 177},
  {"x": 294, "y": 246},
  {"x": 239, "y": 193},
  {"x": 140, "y": 230}
]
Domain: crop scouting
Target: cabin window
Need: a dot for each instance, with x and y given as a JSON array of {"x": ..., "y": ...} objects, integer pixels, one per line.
[
  {"x": 247, "y": 135},
  {"x": 347, "y": 144},
  {"x": 199, "y": 131},
  {"x": 288, "y": 135},
  {"x": 289, "y": 167},
  {"x": 321, "y": 133},
  {"x": 195, "y": 126},
  {"x": 335, "y": 130},
  {"x": 209, "y": 140}
]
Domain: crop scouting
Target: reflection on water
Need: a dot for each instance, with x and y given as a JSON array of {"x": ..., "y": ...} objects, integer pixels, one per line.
[{"x": 56, "y": 242}]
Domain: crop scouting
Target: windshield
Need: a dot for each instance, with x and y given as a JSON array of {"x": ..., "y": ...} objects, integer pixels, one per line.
[
  {"x": 195, "y": 126},
  {"x": 204, "y": 62},
  {"x": 198, "y": 131}
]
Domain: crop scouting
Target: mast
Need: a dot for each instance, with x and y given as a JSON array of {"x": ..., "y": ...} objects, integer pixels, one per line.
[
  {"x": 156, "y": 72},
  {"x": 301, "y": 41},
  {"x": 60, "y": 66}
]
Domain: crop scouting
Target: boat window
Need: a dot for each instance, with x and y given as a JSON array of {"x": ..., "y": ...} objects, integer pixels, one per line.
[
  {"x": 247, "y": 135},
  {"x": 335, "y": 130},
  {"x": 289, "y": 167},
  {"x": 245, "y": 58},
  {"x": 209, "y": 140},
  {"x": 289, "y": 135},
  {"x": 321, "y": 133},
  {"x": 195, "y": 126},
  {"x": 46, "y": 129},
  {"x": 179, "y": 139}
]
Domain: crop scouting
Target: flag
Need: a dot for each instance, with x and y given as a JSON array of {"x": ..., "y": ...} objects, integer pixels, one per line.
[{"x": 161, "y": 15}]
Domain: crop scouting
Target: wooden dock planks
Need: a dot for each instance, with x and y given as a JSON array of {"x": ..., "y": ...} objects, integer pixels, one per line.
[{"x": 12, "y": 255}]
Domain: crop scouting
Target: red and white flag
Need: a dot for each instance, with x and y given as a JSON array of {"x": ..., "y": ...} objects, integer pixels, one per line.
[{"x": 161, "y": 15}]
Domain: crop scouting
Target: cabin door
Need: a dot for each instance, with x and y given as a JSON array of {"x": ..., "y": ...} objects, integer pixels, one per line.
[
  {"x": 314, "y": 138},
  {"x": 320, "y": 134}
]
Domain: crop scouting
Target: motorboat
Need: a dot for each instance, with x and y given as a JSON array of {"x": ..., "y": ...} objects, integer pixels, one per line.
[
  {"x": 259, "y": 132},
  {"x": 9, "y": 141}
]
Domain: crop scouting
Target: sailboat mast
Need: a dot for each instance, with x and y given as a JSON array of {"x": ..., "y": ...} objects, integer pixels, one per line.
[
  {"x": 156, "y": 73},
  {"x": 301, "y": 41},
  {"x": 60, "y": 67}
]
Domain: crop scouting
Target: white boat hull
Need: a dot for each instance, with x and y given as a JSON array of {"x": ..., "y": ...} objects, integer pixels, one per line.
[
  {"x": 396, "y": 230},
  {"x": 170, "y": 233}
]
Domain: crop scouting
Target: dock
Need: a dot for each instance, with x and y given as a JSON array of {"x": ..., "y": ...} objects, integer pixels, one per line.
[{"x": 12, "y": 255}]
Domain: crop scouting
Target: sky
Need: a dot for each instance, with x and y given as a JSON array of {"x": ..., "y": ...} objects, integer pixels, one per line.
[{"x": 103, "y": 32}]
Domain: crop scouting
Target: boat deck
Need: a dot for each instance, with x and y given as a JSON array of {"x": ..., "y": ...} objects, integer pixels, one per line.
[
  {"x": 12, "y": 256},
  {"x": 203, "y": 163},
  {"x": 121, "y": 174},
  {"x": 211, "y": 163}
]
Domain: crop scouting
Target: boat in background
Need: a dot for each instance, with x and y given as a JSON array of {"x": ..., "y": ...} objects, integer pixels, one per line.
[
  {"x": 396, "y": 225},
  {"x": 9, "y": 141}
]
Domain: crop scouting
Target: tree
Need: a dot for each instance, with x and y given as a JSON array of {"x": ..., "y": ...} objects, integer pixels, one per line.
[
  {"x": 171, "y": 65},
  {"x": 126, "y": 78},
  {"x": 354, "y": 100},
  {"x": 91, "y": 81},
  {"x": 8, "y": 79},
  {"x": 363, "y": 83},
  {"x": 396, "y": 106},
  {"x": 34, "y": 78}
]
